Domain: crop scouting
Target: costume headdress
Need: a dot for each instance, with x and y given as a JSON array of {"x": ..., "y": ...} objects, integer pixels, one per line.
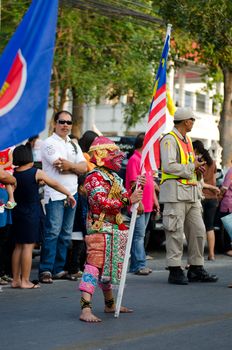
[{"x": 100, "y": 149}]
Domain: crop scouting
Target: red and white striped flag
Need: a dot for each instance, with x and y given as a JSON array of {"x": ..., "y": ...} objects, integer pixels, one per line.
[{"x": 150, "y": 159}]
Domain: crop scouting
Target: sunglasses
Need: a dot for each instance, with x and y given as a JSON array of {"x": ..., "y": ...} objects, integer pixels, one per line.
[{"x": 68, "y": 122}]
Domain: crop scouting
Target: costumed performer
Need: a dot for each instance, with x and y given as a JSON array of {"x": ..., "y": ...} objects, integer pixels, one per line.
[{"x": 106, "y": 233}]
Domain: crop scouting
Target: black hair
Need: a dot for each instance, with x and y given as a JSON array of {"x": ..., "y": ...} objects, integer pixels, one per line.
[
  {"x": 22, "y": 155},
  {"x": 139, "y": 140},
  {"x": 176, "y": 122},
  {"x": 199, "y": 146},
  {"x": 57, "y": 114},
  {"x": 71, "y": 136},
  {"x": 32, "y": 138},
  {"x": 87, "y": 139}
]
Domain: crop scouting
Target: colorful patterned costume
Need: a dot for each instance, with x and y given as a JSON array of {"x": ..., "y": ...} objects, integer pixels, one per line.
[{"x": 106, "y": 234}]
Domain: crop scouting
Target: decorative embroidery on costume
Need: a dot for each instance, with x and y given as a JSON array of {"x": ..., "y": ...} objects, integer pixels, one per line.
[
  {"x": 106, "y": 234},
  {"x": 114, "y": 193},
  {"x": 114, "y": 255},
  {"x": 99, "y": 189},
  {"x": 105, "y": 287},
  {"x": 89, "y": 279}
]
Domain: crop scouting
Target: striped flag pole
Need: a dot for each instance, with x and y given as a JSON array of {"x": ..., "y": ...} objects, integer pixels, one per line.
[{"x": 156, "y": 125}]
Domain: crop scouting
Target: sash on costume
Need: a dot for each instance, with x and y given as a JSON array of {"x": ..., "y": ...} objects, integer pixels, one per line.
[{"x": 115, "y": 247}]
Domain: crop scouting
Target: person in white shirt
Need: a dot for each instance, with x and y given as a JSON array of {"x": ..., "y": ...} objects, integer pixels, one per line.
[{"x": 63, "y": 161}]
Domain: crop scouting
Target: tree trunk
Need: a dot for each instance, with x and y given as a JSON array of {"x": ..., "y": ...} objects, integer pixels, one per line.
[
  {"x": 55, "y": 89},
  {"x": 225, "y": 125},
  {"x": 78, "y": 115},
  {"x": 63, "y": 98}
]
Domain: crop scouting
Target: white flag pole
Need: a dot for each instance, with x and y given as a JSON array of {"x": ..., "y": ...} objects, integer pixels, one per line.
[
  {"x": 130, "y": 234},
  {"x": 126, "y": 260}
]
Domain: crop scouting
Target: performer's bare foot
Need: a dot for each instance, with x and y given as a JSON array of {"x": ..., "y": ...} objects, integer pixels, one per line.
[
  {"x": 87, "y": 316},
  {"x": 123, "y": 309}
]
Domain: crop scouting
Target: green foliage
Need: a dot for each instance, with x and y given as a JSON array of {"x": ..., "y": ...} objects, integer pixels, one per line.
[
  {"x": 107, "y": 57},
  {"x": 99, "y": 56},
  {"x": 208, "y": 23},
  {"x": 11, "y": 14}
]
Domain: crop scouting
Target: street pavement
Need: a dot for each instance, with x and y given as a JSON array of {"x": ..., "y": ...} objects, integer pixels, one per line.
[{"x": 196, "y": 316}]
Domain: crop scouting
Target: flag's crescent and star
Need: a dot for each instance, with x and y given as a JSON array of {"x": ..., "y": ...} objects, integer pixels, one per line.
[{"x": 14, "y": 84}]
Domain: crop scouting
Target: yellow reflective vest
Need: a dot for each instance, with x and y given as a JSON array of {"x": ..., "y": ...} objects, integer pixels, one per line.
[{"x": 186, "y": 157}]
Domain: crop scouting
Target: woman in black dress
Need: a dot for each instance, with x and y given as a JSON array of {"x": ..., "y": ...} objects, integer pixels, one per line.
[{"x": 26, "y": 214}]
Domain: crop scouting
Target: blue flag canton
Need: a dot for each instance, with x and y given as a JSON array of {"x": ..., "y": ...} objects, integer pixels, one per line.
[{"x": 161, "y": 74}]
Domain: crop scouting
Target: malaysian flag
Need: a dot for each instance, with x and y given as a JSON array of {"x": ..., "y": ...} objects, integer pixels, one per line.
[{"x": 157, "y": 115}]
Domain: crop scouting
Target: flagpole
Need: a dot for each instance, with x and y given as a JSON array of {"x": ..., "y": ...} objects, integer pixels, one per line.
[
  {"x": 126, "y": 261},
  {"x": 169, "y": 28},
  {"x": 130, "y": 234}
]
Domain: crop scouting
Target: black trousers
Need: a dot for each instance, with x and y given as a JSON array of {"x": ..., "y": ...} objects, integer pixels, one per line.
[
  {"x": 76, "y": 257},
  {"x": 6, "y": 250}
]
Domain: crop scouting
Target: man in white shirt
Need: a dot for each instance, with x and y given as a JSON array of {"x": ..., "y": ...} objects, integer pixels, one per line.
[{"x": 63, "y": 161}]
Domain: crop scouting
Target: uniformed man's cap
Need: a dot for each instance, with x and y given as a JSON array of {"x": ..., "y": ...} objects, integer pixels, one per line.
[{"x": 184, "y": 113}]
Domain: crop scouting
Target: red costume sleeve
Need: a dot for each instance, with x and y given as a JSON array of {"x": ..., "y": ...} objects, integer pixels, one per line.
[{"x": 98, "y": 190}]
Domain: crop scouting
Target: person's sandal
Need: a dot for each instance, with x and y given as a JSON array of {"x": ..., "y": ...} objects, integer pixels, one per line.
[
  {"x": 3, "y": 282},
  {"x": 143, "y": 272},
  {"x": 10, "y": 205},
  {"x": 45, "y": 277},
  {"x": 75, "y": 276},
  {"x": 62, "y": 275},
  {"x": 7, "y": 278}
]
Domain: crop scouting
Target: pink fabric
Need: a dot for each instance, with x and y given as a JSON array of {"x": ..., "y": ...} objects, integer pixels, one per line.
[
  {"x": 89, "y": 279},
  {"x": 106, "y": 287},
  {"x": 132, "y": 172},
  {"x": 226, "y": 203}
]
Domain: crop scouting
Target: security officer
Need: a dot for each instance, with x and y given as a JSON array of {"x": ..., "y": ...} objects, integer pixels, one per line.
[{"x": 182, "y": 208}]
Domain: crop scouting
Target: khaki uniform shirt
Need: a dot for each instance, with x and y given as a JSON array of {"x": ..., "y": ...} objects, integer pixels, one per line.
[{"x": 172, "y": 190}]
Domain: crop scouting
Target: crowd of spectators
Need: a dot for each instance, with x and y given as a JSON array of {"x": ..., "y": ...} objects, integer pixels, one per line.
[{"x": 48, "y": 208}]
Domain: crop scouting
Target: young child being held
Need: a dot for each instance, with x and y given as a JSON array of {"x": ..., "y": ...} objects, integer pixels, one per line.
[{"x": 6, "y": 164}]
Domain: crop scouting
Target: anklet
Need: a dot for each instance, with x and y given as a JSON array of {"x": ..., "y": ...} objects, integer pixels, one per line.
[
  {"x": 109, "y": 303},
  {"x": 85, "y": 304}
]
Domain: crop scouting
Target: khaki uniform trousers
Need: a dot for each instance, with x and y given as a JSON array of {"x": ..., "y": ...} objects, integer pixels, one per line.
[{"x": 179, "y": 219}]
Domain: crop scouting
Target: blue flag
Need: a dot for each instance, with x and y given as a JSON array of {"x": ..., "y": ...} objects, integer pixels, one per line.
[{"x": 25, "y": 72}]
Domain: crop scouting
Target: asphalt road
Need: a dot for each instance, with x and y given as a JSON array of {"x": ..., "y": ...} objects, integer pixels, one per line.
[{"x": 196, "y": 316}]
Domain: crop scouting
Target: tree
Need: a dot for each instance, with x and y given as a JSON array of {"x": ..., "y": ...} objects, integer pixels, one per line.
[
  {"x": 209, "y": 24},
  {"x": 101, "y": 56},
  {"x": 97, "y": 56}
]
